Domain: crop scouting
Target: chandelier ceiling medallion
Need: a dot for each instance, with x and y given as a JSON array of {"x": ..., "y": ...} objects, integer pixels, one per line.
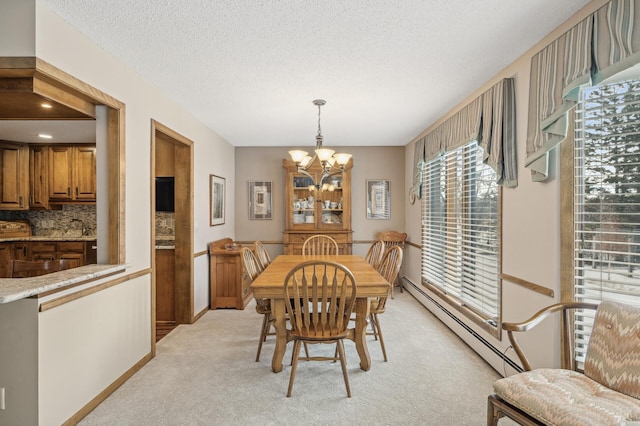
[{"x": 332, "y": 164}]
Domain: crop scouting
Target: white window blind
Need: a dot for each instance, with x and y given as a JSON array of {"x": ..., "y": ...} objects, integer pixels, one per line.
[
  {"x": 606, "y": 200},
  {"x": 460, "y": 229}
]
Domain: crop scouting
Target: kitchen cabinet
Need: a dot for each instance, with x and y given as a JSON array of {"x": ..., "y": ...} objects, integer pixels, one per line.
[
  {"x": 21, "y": 251},
  {"x": 38, "y": 177},
  {"x": 43, "y": 250},
  {"x": 6, "y": 256},
  {"x": 14, "y": 176},
  {"x": 230, "y": 285},
  {"x": 84, "y": 173},
  {"x": 312, "y": 209},
  {"x": 78, "y": 253},
  {"x": 72, "y": 173},
  {"x": 73, "y": 252}
]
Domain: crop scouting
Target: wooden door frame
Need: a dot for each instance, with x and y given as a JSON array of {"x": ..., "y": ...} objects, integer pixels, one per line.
[{"x": 184, "y": 275}]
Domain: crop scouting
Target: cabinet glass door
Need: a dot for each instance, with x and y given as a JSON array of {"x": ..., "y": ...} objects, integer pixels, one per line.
[
  {"x": 332, "y": 203},
  {"x": 304, "y": 201}
]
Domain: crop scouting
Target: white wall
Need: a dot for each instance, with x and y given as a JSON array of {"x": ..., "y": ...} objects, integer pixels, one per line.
[
  {"x": 17, "y": 28},
  {"x": 105, "y": 334},
  {"x": 530, "y": 231},
  {"x": 18, "y": 361}
]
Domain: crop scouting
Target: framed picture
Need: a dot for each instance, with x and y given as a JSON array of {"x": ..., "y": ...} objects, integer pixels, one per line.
[
  {"x": 259, "y": 200},
  {"x": 378, "y": 199},
  {"x": 216, "y": 202}
]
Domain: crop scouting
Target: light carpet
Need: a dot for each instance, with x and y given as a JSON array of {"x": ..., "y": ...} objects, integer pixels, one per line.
[{"x": 205, "y": 374}]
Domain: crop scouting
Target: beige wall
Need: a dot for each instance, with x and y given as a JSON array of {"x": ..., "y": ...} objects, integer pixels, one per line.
[
  {"x": 265, "y": 164},
  {"x": 530, "y": 232}
]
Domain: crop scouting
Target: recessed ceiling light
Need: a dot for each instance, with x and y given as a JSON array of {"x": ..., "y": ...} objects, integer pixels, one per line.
[
  {"x": 44, "y": 136},
  {"x": 46, "y": 105}
]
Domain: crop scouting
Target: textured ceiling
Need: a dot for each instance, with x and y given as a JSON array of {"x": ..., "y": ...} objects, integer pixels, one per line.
[{"x": 249, "y": 69}]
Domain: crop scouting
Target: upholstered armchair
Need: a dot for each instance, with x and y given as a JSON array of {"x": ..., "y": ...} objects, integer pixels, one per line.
[{"x": 605, "y": 392}]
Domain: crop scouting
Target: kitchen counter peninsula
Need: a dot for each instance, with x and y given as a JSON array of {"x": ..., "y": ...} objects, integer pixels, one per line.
[{"x": 12, "y": 289}]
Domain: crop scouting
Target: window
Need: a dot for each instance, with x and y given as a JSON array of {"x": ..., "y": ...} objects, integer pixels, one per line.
[
  {"x": 606, "y": 188},
  {"x": 460, "y": 232}
]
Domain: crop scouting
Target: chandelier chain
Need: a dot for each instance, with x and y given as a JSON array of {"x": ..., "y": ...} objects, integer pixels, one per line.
[{"x": 319, "y": 136}]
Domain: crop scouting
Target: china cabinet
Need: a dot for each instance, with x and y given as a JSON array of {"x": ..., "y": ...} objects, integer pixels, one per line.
[{"x": 317, "y": 205}]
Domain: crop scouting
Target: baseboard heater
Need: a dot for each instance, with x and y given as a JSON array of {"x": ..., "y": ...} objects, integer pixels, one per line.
[{"x": 471, "y": 331}]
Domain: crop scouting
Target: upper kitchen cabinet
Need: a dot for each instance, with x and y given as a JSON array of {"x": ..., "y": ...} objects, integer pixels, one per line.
[
  {"x": 72, "y": 173},
  {"x": 14, "y": 178},
  {"x": 38, "y": 176}
]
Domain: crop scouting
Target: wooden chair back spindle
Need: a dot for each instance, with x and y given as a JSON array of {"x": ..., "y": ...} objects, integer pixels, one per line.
[
  {"x": 375, "y": 254},
  {"x": 320, "y": 245},
  {"x": 262, "y": 254}
]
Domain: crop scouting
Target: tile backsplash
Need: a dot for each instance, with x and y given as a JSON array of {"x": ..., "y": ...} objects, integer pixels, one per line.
[
  {"x": 52, "y": 223},
  {"x": 73, "y": 218},
  {"x": 165, "y": 224}
]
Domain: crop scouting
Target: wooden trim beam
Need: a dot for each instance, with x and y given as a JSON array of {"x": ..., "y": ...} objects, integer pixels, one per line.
[
  {"x": 62, "y": 96},
  {"x": 529, "y": 285},
  {"x": 91, "y": 405}
]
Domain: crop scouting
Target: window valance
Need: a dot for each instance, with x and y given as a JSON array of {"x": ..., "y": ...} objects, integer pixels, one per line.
[
  {"x": 598, "y": 47},
  {"x": 489, "y": 119}
]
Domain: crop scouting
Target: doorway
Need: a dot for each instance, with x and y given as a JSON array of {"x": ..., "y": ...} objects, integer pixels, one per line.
[{"x": 171, "y": 229}]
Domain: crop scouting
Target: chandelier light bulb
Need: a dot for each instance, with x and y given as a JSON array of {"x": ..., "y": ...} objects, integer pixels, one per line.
[
  {"x": 298, "y": 155},
  {"x": 342, "y": 158},
  {"x": 324, "y": 154},
  {"x": 306, "y": 161}
]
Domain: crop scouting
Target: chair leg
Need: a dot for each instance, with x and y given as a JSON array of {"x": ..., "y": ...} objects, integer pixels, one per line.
[
  {"x": 374, "y": 327},
  {"x": 306, "y": 351},
  {"x": 378, "y": 332},
  {"x": 343, "y": 362},
  {"x": 263, "y": 334},
  {"x": 294, "y": 364},
  {"x": 493, "y": 413}
]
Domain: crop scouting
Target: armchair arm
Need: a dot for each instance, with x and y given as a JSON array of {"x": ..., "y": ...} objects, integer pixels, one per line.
[{"x": 537, "y": 318}]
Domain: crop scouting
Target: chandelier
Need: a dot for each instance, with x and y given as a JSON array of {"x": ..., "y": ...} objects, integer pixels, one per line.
[{"x": 332, "y": 164}]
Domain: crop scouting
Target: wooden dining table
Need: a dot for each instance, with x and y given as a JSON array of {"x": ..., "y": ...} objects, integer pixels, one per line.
[{"x": 369, "y": 283}]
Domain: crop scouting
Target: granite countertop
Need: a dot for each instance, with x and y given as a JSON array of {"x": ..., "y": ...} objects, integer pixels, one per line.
[
  {"x": 49, "y": 238},
  {"x": 12, "y": 289},
  {"x": 165, "y": 242}
]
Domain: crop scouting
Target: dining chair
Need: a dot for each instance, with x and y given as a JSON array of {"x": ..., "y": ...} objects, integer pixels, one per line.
[
  {"x": 319, "y": 299},
  {"x": 375, "y": 254},
  {"x": 320, "y": 245},
  {"x": 389, "y": 268},
  {"x": 262, "y": 254},
  {"x": 33, "y": 268},
  {"x": 393, "y": 238},
  {"x": 253, "y": 268}
]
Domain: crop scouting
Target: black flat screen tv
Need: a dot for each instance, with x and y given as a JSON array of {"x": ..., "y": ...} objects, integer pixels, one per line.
[{"x": 165, "y": 193}]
